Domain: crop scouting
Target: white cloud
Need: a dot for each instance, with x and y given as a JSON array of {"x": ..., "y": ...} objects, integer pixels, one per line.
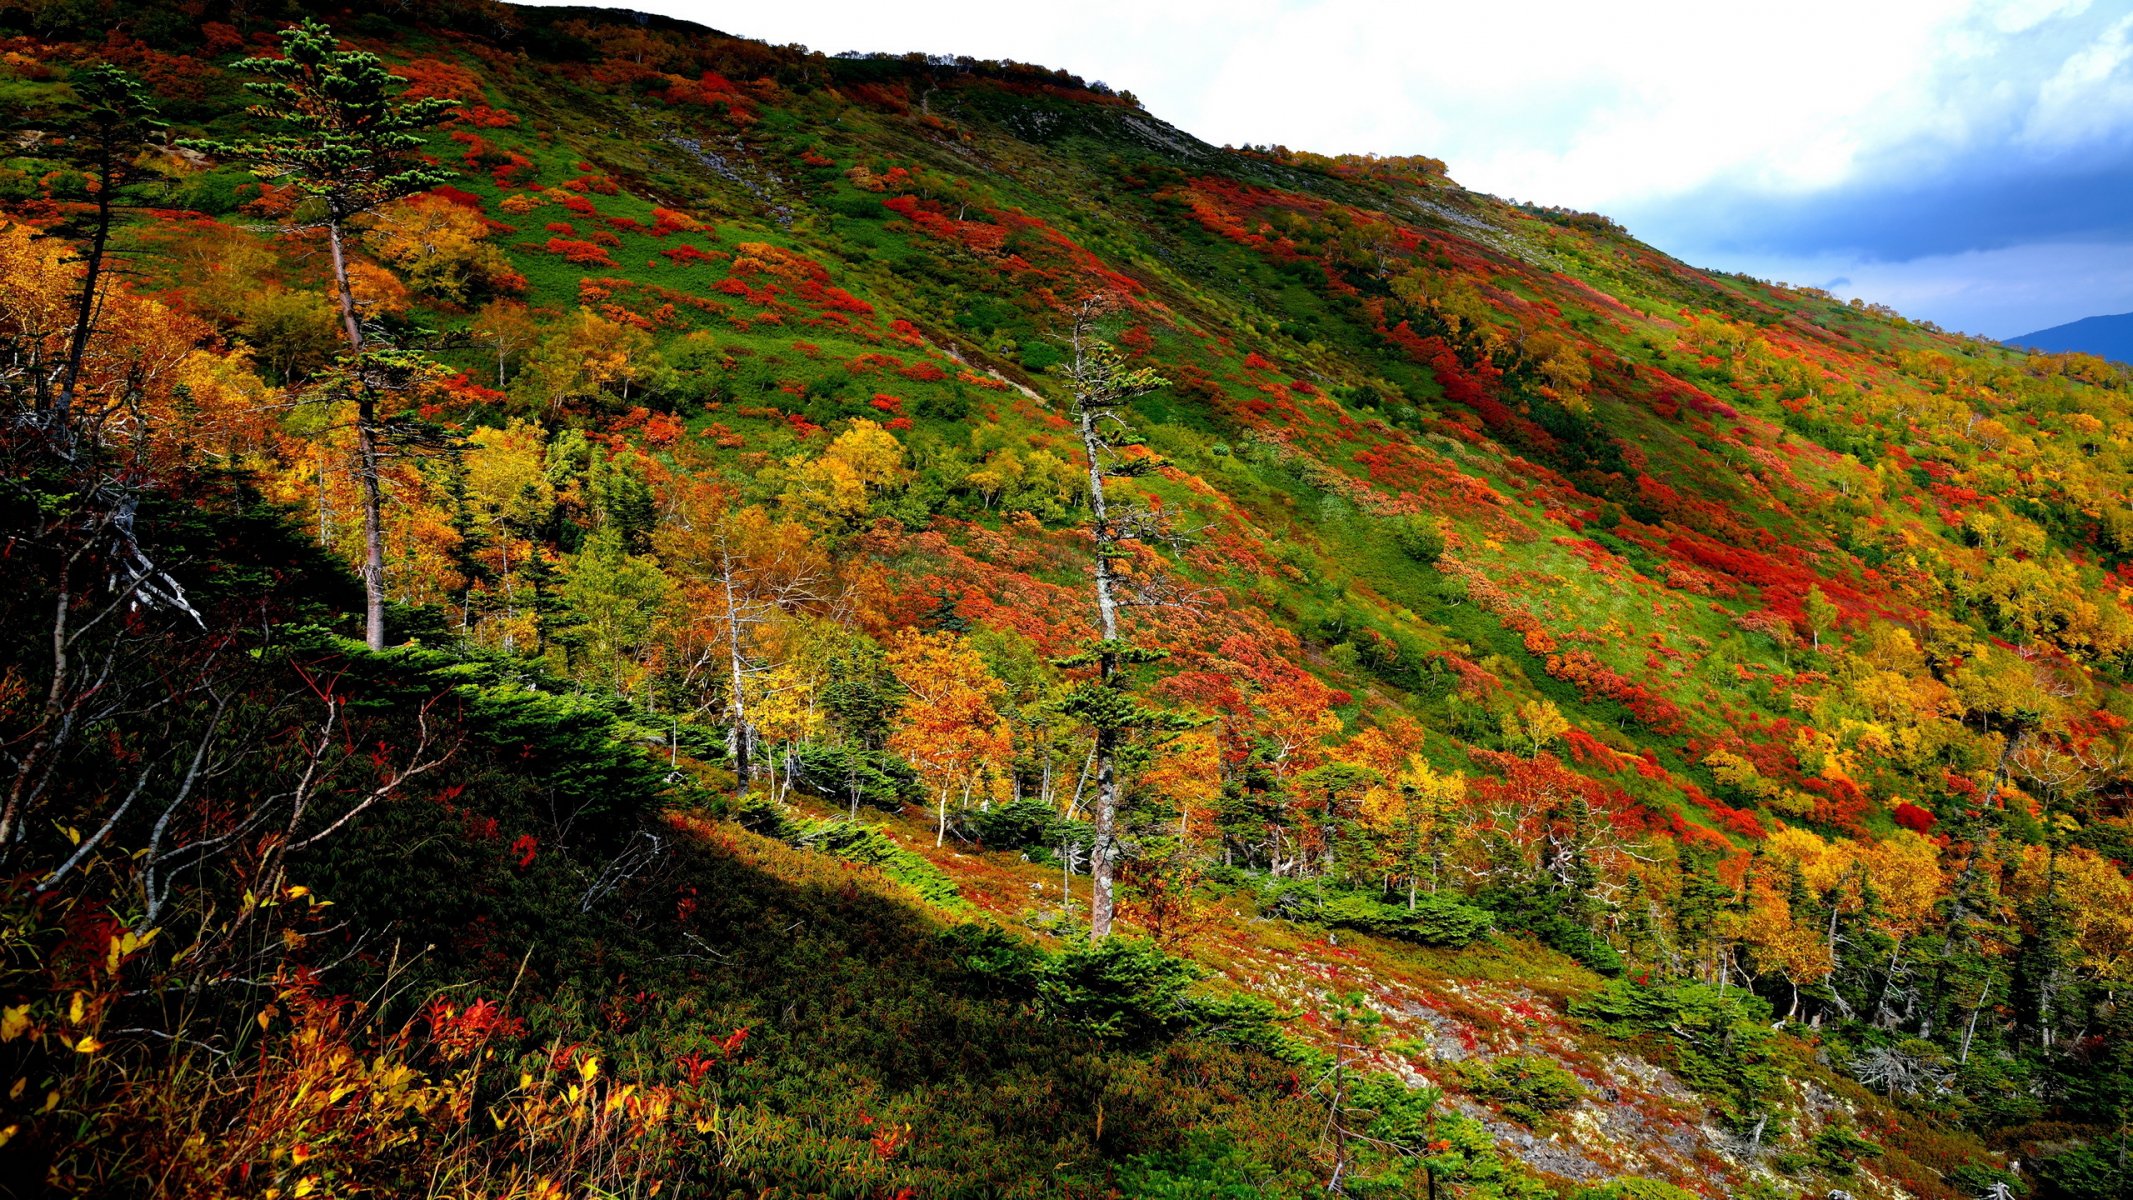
[
  {"x": 2091, "y": 95},
  {"x": 1997, "y": 293},
  {"x": 1562, "y": 100}
]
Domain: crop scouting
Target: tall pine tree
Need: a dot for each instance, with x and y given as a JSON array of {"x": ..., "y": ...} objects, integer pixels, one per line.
[{"x": 348, "y": 143}]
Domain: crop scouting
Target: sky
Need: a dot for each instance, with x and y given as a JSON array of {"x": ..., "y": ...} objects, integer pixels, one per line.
[{"x": 1969, "y": 162}]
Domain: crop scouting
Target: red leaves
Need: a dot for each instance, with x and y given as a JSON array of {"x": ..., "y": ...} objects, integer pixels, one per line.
[
  {"x": 583, "y": 253},
  {"x": 1912, "y": 817},
  {"x": 684, "y": 254},
  {"x": 1596, "y": 680},
  {"x": 888, "y": 1140},
  {"x": 525, "y": 848},
  {"x": 457, "y": 1032},
  {"x": 695, "y": 1066}
]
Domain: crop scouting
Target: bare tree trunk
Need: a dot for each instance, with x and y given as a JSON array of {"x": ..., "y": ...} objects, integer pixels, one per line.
[
  {"x": 742, "y": 739},
  {"x": 1104, "y": 852},
  {"x": 366, "y": 449}
]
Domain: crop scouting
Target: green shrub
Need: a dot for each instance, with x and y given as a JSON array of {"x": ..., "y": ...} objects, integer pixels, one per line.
[
  {"x": 996, "y": 962},
  {"x": 854, "y": 843},
  {"x": 1028, "y": 825},
  {"x": 1540, "y": 912},
  {"x": 1207, "y": 1167},
  {"x": 1528, "y": 1087},
  {"x": 1418, "y": 538},
  {"x": 881, "y": 779},
  {"x": 1719, "y": 1044},
  {"x": 1838, "y": 1149},
  {"x": 1634, "y": 1189},
  {"x": 1242, "y": 1020},
  {"x": 1120, "y": 988},
  {"x": 1435, "y": 920}
]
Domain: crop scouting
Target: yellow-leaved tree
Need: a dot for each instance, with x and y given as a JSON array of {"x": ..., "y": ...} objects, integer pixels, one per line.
[
  {"x": 1414, "y": 819},
  {"x": 836, "y": 488}
]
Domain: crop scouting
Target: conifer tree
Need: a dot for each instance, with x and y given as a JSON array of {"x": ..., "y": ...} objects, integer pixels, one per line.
[
  {"x": 1103, "y": 387},
  {"x": 348, "y": 144},
  {"x": 114, "y": 122}
]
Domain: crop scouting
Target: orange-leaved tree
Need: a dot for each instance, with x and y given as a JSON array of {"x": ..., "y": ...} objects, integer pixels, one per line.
[{"x": 951, "y": 733}]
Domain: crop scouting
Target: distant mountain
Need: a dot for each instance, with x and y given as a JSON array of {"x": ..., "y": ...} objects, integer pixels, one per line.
[{"x": 2107, "y": 337}]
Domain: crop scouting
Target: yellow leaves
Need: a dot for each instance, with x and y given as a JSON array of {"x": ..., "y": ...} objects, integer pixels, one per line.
[
  {"x": 88, "y": 1045},
  {"x": 1734, "y": 771},
  {"x": 2098, "y": 901},
  {"x": 305, "y": 1186},
  {"x": 1781, "y": 942},
  {"x": 585, "y": 356},
  {"x": 784, "y": 706},
  {"x": 123, "y": 946},
  {"x": 1823, "y": 864},
  {"x": 507, "y": 472},
  {"x": 1535, "y": 724},
  {"x": 438, "y": 245},
  {"x": 1905, "y": 870},
  {"x": 388, "y": 1082},
  {"x": 76, "y": 1009},
  {"x": 589, "y": 1069},
  {"x": 1417, "y": 796},
  {"x": 1187, "y": 770},
  {"x": 838, "y": 486},
  {"x": 36, "y": 282},
  {"x": 14, "y": 1022}
]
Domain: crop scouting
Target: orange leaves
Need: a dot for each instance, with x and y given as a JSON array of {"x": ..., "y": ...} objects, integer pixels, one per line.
[
  {"x": 951, "y": 733},
  {"x": 1781, "y": 941},
  {"x": 1296, "y": 715}
]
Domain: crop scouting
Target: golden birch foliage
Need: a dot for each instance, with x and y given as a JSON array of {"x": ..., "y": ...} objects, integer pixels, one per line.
[
  {"x": 230, "y": 413},
  {"x": 507, "y": 472},
  {"x": 1823, "y": 863},
  {"x": 1535, "y": 725},
  {"x": 37, "y": 284},
  {"x": 587, "y": 357},
  {"x": 837, "y": 487},
  {"x": 2099, "y": 904},
  {"x": 1796, "y": 951},
  {"x": 1187, "y": 772},
  {"x": 1905, "y": 870}
]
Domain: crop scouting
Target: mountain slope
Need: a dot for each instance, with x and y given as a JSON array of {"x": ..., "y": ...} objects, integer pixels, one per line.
[
  {"x": 2105, "y": 337},
  {"x": 1638, "y": 724}
]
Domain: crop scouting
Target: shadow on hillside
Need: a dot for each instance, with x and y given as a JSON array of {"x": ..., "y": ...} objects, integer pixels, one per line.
[{"x": 855, "y": 1008}]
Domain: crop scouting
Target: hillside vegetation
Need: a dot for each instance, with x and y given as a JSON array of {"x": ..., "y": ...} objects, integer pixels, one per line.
[{"x": 599, "y": 609}]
